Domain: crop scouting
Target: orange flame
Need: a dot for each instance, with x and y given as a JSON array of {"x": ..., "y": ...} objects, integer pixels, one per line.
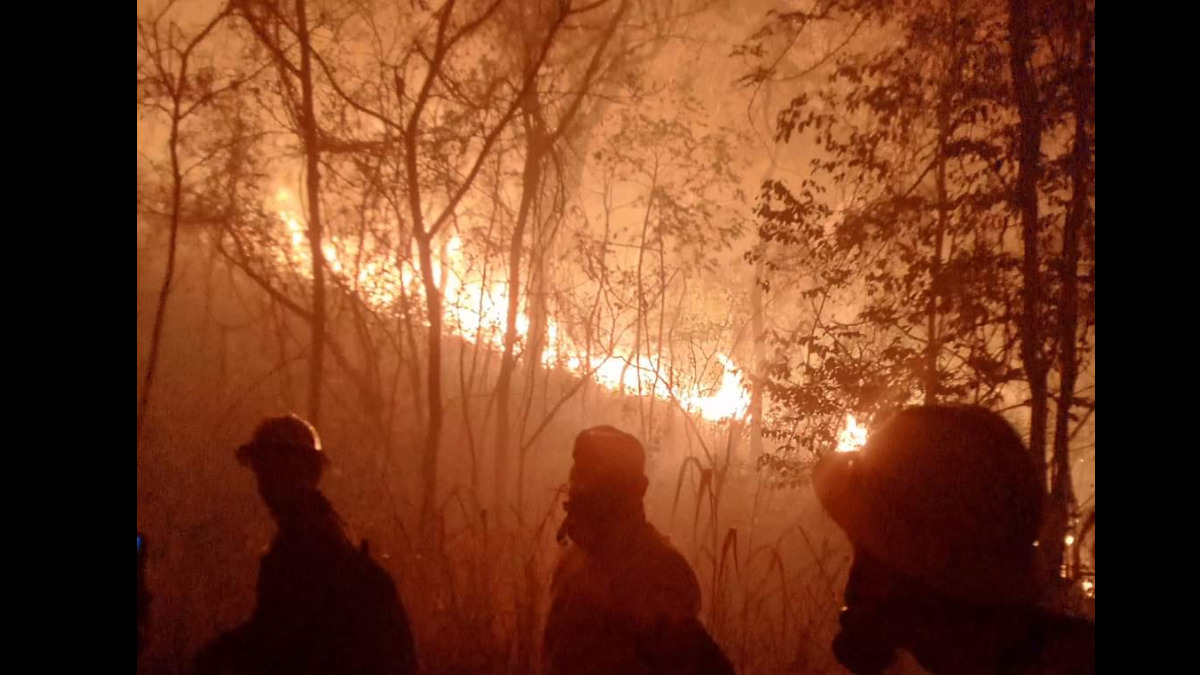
[
  {"x": 853, "y": 436},
  {"x": 477, "y": 310}
]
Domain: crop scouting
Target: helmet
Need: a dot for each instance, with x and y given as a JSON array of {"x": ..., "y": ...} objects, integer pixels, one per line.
[
  {"x": 948, "y": 496},
  {"x": 278, "y": 440},
  {"x": 608, "y": 458}
]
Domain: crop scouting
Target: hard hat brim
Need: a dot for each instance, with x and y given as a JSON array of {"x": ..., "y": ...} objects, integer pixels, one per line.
[{"x": 248, "y": 453}]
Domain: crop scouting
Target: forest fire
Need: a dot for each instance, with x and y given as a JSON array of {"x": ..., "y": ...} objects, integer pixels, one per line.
[
  {"x": 469, "y": 330},
  {"x": 476, "y": 310}
]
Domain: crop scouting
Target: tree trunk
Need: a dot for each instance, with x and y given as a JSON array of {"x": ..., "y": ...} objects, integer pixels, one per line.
[
  {"x": 1062, "y": 491},
  {"x": 531, "y": 183},
  {"x": 433, "y": 430},
  {"x": 164, "y": 293},
  {"x": 758, "y": 381},
  {"x": 949, "y": 86},
  {"x": 308, "y": 121},
  {"x": 1029, "y": 142}
]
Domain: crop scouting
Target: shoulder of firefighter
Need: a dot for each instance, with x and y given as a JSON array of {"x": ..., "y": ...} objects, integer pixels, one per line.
[
  {"x": 638, "y": 611},
  {"x": 322, "y": 608}
]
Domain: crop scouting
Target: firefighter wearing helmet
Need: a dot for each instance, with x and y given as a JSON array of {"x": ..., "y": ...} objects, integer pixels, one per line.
[
  {"x": 324, "y": 606},
  {"x": 624, "y": 601}
]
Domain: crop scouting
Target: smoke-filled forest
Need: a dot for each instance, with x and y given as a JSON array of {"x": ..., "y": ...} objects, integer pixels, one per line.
[{"x": 451, "y": 235}]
